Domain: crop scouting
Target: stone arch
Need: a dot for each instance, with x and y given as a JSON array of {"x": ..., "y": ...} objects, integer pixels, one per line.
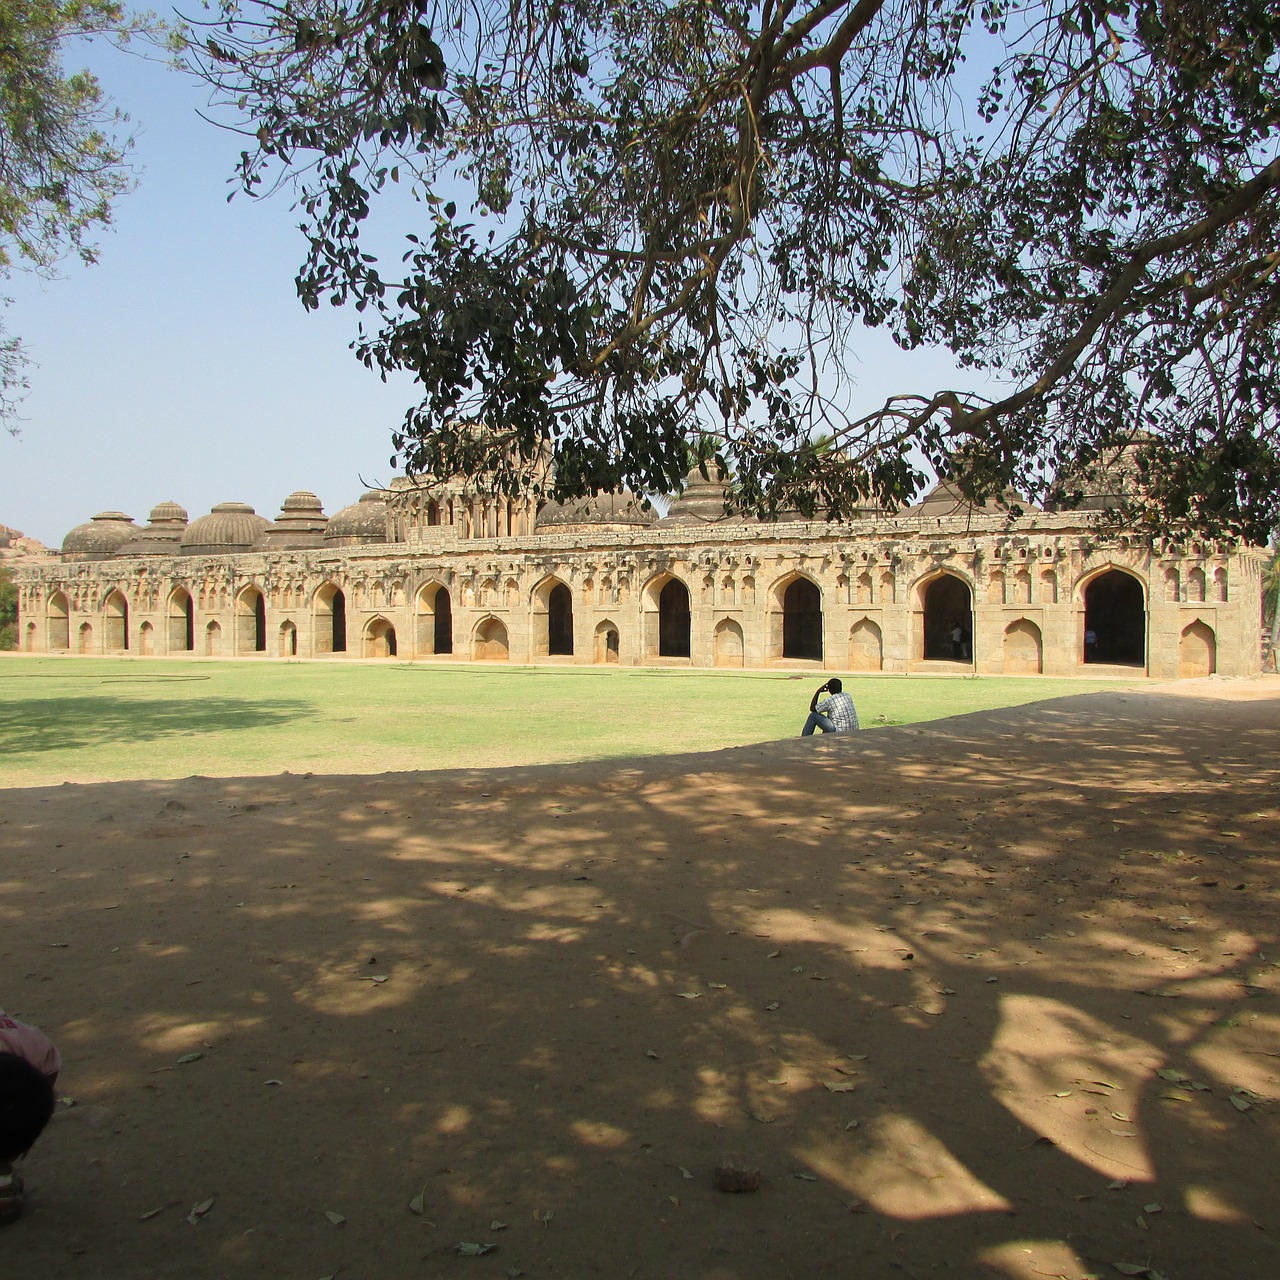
[
  {"x": 866, "y": 646},
  {"x": 29, "y": 638},
  {"x": 84, "y": 638},
  {"x": 212, "y": 640},
  {"x": 1022, "y": 587},
  {"x": 1195, "y": 586},
  {"x": 667, "y": 617},
  {"x": 435, "y": 619},
  {"x": 607, "y": 642},
  {"x": 552, "y": 616},
  {"x": 115, "y": 610},
  {"x": 1048, "y": 586},
  {"x": 866, "y": 591},
  {"x": 946, "y": 602},
  {"x": 995, "y": 587},
  {"x": 329, "y": 613},
  {"x": 180, "y": 618},
  {"x": 58, "y": 621},
  {"x": 288, "y": 639},
  {"x": 146, "y": 640},
  {"x": 1115, "y": 618},
  {"x": 1197, "y": 651},
  {"x": 251, "y": 621},
  {"x": 1220, "y": 585},
  {"x": 730, "y": 648},
  {"x": 490, "y": 643},
  {"x": 1172, "y": 585},
  {"x": 1023, "y": 648},
  {"x": 379, "y": 638},
  {"x": 795, "y": 624}
]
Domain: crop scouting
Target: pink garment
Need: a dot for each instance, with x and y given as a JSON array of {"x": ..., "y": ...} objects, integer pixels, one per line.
[{"x": 30, "y": 1043}]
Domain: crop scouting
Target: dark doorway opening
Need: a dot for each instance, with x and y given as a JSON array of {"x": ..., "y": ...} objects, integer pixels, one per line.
[
  {"x": 560, "y": 620},
  {"x": 673, "y": 620},
  {"x": 802, "y": 620},
  {"x": 1115, "y": 621},
  {"x": 442, "y": 638},
  {"x": 948, "y": 608}
]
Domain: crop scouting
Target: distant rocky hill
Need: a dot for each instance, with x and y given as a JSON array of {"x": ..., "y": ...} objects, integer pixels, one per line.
[{"x": 17, "y": 548}]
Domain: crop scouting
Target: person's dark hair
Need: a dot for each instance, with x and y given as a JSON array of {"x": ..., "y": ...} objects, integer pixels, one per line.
[
  {"x": 26, "y": 1103},
  {"x": 835, "y": 686}
]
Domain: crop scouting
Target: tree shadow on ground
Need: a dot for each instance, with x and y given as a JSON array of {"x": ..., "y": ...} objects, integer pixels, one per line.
[
  {"x": 59, "y": 724},
  {"x": 926, "y": 979}
]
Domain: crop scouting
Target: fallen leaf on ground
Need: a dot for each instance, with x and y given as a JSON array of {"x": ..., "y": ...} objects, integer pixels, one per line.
[
  {"x": 199, "y": 1210},
  {"x": 334, "y": 1217}
]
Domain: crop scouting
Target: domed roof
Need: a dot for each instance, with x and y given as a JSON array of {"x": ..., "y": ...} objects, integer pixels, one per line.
[
  {"x": 162, "y": 534},
  {"x": 228, "y": 528},
  {"x": 99, "y": 538},
  {"x": 362, "y": 522},
  {"x": 944, "y": 499},
  {"x": 610, "y": 511},
  {"x": 300, "y": 524},
  {"x": 703, "y": 501}
]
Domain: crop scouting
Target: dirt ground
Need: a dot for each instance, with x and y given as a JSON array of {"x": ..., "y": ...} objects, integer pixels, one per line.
[{"x": 995, "y": 996}]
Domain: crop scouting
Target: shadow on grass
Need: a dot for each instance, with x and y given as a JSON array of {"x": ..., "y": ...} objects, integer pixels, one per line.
[
  {"x": 32, "y": 725},
  {"x": 927, "y": 975}
]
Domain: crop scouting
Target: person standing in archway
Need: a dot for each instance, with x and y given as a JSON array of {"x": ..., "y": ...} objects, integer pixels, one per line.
[{"x": 834, "y": 714}]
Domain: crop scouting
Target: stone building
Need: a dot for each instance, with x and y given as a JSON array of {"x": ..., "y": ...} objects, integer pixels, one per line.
[{"x": 445, "y": 572}]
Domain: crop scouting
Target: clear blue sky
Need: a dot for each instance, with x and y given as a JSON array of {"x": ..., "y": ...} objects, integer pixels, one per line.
[{"x": 182, "y": 366}]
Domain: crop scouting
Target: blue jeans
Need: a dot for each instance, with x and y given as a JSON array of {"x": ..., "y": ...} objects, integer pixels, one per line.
[{"x": 817, "y": 720}]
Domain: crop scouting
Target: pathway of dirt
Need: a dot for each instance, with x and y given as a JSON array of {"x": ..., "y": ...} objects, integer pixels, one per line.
[{"x": 993, "y": 996}]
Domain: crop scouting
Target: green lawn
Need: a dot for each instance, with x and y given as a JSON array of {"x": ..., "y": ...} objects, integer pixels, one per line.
[{"x": 88, "y": 719}]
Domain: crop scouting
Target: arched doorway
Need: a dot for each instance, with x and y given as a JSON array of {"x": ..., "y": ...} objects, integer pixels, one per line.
[
  {"x": 606, "y": 642},
  {"x": 802, "y": 620},
  {"x": 212, "y": 640},
  {"x": 116, "y": 618},
  {"x": 491, "y": 644},
  {"x": 560, "y": 621},
  {"x": 674, "y": 620},
  {"x": 1115, "y": 620},
  {"x": 330, "y": 630},
  {"x": 866, "y": 646},
  {"x": 1197, "y": 651},
  {"x": 84, "y": 638},
  {"x": 251, "y": 621},
  {"x": 948, "y": 605},
  {"x": 182, "y": 622},
  {"x": 435, "y": 619},
  {"x": 58, "y": 615},
  {"x": 729, "y": 646},
  {"x": 380, "y": 639},
  {"x": 288, "y": 640},
  {"x": 1023, "y": 649},
  {"x": 146, "y": 640}
]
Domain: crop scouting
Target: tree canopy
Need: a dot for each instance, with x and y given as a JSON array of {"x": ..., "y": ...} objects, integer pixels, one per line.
[
  {"x": 652, "y": 231},
  {"x": 62, "y": 161}
]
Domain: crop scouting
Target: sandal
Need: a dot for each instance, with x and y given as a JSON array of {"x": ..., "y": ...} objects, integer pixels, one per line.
[{"x": 11, "y": 1198}]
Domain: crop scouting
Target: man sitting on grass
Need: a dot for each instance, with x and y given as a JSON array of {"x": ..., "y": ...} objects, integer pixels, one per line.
[
  {"x": 835, "y": 714},
  {"x": 29, "y": 1066}
]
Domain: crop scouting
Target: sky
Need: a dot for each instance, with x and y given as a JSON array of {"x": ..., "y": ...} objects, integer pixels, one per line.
[{"x": 182, "y": 367}]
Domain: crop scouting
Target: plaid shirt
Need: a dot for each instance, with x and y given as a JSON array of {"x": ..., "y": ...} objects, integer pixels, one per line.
[{"x": 839, "y": 709}]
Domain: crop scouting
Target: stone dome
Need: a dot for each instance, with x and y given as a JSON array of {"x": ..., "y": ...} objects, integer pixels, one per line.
[
  {"x": 99, "y": 538},
  {"x": 228, "y": 528},
  {"x": 611, "y": 512},
  {"x": 164, "y": 530},
  {"x": 300, "y": 525},
  {"x": 702, "y": 501},
  {"x": 360, "y": 523}
]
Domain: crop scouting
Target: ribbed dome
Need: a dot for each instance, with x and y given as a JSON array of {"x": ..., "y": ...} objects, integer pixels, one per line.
[
  {"x": 702, "y": 502},
  {"x": 162, "y": 534},
  {"x": 228, "y": 528},
  {"x": 360, "y": 523},
  {"x": 608, "y": 511},
  {"x": 100, "y": 538},
  {"x": 300, "y": 525}
]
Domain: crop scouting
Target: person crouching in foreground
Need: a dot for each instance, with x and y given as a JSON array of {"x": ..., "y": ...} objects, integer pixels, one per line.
[
  {"x": 29, "y": 1066},
  {"x": 835, "y": 714}
]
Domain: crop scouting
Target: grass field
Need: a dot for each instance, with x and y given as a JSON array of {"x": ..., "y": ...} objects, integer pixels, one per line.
[{"x": 109, "y": 720}]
